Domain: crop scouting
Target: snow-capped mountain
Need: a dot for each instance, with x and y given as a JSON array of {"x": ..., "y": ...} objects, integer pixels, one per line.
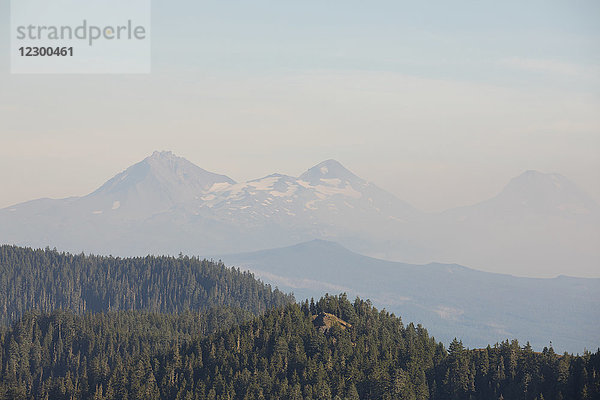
[
  {"x": 154, "y": 185},
  {"x": 151, "y": 186},
  {"x": 167, "y": 204},
  {"x": 540, "y": 224},
  {"x": 325, "y": 198}
]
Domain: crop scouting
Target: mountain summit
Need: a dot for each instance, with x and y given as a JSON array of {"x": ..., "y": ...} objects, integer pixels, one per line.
[
  {"x": 157, "y": 183},
  {"x": 329, "y": 169},
  {"x": 540, "y": 224},
  {"x": 174, "y": 175},
  {"x": 327, "y": 200},
  {"x": 544, "y": 192}
]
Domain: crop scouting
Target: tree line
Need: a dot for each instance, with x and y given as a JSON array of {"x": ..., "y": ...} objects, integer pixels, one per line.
[{"x": 47, "y": 280}]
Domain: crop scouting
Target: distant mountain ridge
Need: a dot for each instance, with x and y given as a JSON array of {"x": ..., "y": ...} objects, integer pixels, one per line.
[
  {"x": 46, "y": 280},
  {"x": 540, "y": 224},
  {"x": 449, "y": 299}
]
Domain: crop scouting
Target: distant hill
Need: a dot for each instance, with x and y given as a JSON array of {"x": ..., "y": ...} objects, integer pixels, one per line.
[
  {"x": 539, "y": 225},
  {"x": 449, "y": 299},
  {"x": 47, "y": 280}
]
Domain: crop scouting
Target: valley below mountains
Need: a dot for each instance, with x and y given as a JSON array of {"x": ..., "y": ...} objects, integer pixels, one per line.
[{"x": 449, "y": 299}]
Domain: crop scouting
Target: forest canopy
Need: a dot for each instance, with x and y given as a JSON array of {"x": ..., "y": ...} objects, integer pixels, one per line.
[{"x": 93, "y": 327}]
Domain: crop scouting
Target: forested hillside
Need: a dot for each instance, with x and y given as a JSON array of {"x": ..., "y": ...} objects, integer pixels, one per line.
[
  {"x": 47, "y": 280},
  {"x": 333, "y": 349},
  {"x": 92, "y": 327}
]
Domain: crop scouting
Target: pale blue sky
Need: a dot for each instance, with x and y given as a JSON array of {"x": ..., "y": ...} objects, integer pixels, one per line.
[{"x": 440, "y": 103}]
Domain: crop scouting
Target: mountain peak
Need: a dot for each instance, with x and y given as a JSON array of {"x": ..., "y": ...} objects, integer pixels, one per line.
[
  {"x": 159, "y": 181},
  {"x": 168, "y": 160},
  {"x": 532, "y": 174},
  {"x": 532, "y": 181},
  {"x": 329, "y": 169},
  {"x": 164, "y": 154},
  {"x": 546, "y": 191}
]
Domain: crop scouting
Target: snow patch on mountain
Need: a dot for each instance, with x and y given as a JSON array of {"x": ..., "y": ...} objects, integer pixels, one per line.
[{"x": 347, "y": 190}]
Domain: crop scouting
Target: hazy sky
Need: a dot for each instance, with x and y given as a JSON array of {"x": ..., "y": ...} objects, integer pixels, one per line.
[{"x": 440, "y": 103}]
